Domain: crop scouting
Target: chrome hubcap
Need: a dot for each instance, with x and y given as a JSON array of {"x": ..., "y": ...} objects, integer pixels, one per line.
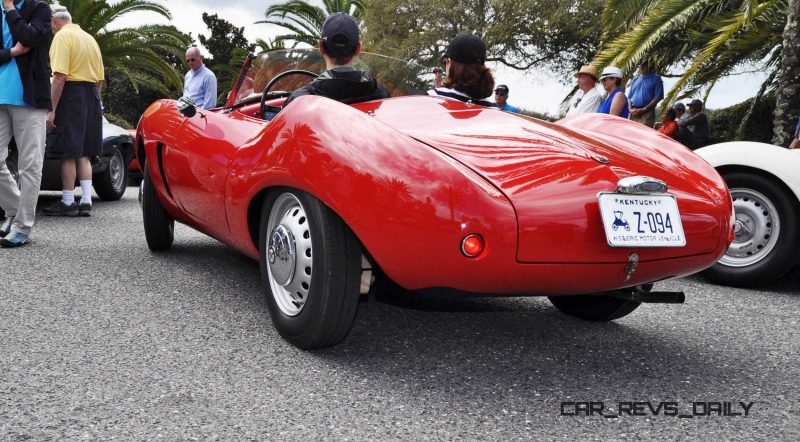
[
  {"x": 756, "y": 228},
  {"x": 280, "y": 255},
  {"x": 288, "y": 254},
  {"x": 115, "y": 169}
]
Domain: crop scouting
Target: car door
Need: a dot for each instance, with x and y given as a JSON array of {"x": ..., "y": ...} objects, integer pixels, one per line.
[{"x": 199, "y": 160}]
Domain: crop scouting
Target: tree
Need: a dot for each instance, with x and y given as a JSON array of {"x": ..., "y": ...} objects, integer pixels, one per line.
[
  {"x": 228, "y": 48},
  {"x": 224, "y": 38},
  {"x": 705, "y": 40},
  {"x": 787, "y": 107},
  {"x": 304, "y": 21},
  {"x": 559, "y": 35}
]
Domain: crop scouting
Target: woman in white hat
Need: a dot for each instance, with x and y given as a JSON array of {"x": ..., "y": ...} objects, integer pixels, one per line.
[{"x": 616, "y": 103}]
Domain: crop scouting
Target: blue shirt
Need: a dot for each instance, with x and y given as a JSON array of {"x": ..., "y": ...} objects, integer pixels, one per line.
[
  {"x": 201, "y": 87},
  {"x": 644, "y": 88},
  {"x": 509, "y": 108},
  {"x": 605, "y": 107},
  {"x": 10, "y": 82}
]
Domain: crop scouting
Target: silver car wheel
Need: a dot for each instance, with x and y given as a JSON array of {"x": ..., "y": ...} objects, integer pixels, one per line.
[
  {"x": 757, "y": 228},
  {"x": 115, "y": 171},
  {"x": 288, "y": 254}
]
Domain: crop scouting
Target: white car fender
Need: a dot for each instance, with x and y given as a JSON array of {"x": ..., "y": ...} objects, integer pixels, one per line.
[{"x": 778, "y": 161}]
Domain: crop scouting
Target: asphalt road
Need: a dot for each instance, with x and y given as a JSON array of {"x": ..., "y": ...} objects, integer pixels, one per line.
[{"x": 101, "y": 339}]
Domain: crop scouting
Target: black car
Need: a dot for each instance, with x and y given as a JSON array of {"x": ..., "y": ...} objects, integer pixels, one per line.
[{"x": 109, "y": 171}]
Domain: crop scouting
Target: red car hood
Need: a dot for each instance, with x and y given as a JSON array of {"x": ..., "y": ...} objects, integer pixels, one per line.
[{"x": 552, "y": 174}]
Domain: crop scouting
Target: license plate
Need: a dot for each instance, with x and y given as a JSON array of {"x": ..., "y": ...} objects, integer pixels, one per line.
[{"x": 641, "y": 220}]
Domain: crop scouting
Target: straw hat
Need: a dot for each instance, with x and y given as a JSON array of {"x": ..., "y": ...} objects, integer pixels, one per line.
[{"x": 588, "y": 70}]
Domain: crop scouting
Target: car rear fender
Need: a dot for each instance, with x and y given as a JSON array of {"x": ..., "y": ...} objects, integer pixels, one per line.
[{"x": 409, "y": 205}]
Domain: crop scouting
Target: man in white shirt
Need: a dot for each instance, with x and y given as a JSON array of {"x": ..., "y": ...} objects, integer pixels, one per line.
[
  {"x": 199, "y": 83},
  {"x": 587, "y": 100}
]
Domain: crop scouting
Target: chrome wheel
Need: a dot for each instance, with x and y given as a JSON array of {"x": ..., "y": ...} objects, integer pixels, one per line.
[
  {"x": 115, "y": 171},
  {"x": 756, "y": 228},
  {"x": 288, "y": 254}
]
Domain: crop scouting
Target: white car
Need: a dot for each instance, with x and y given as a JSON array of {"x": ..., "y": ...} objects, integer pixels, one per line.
[{"x": 764, "y": 181}]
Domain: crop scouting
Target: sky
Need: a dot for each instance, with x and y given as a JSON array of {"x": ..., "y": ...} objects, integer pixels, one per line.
[{"x": 535, "y": 90}]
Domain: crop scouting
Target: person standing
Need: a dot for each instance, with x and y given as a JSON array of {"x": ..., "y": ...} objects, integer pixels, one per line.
[
  {"x": 77, "y": 120},
  {"x": 616, "y": 103},
  {"x": 680, "y": 111},
  {"x": 588, "y": 99},
  {"x": 645, "y": 92},
  {"x": 501, "y": 98},
  {"x": 697, "y": 122},
  {"x": 199, "y": 84},
  {"x": 24, "y": 104}
]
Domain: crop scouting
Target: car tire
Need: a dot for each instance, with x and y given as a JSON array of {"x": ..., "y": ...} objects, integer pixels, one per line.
[
  {"x": 311, "y": 267},
  {"x": 598, "y": 308},
  {"x": 110, "y": 184},
  {"x": 159, "y": 227},
  {"x": 765, "y": 246}
]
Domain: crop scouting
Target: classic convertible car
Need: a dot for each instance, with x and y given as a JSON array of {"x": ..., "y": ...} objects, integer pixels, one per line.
[
  {"x": 765, "y": 187},
  {"x": 430, "y": 193}
]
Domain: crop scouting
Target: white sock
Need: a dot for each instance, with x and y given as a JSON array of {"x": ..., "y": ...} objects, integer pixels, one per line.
[
  {"x": 68, "y": 197},
  {"x": 86, "y": 192}
]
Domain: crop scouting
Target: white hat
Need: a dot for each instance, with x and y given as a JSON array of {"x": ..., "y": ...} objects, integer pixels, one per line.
[{"x": 611, "y": 71}]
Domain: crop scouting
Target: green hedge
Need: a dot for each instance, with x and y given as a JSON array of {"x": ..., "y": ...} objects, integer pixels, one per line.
[{"x": 725, "y": 122}]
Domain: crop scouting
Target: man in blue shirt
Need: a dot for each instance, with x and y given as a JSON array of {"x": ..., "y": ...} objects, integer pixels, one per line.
[
  {"x": 24, "y": 104},
  {"x": 645, "y": 92},
  {"x": 199, "y": 84},
  {"x": 501, "y": 97}
]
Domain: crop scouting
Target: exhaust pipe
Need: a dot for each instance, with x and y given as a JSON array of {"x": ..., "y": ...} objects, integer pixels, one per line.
[{"x": 642, "y": 293}]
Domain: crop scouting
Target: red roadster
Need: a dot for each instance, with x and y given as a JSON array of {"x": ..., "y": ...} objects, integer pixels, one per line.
[{"x": 434, "y": 193}]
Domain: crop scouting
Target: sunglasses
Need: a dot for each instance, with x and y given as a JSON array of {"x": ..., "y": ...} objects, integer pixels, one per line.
[
  {"x": 500, "y": 93},
  {"x": 189, "y": 60},
  {"x": 607, "y": 78}
]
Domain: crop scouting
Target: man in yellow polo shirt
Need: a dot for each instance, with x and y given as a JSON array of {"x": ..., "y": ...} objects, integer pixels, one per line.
[{"x": 77, "y": 120}]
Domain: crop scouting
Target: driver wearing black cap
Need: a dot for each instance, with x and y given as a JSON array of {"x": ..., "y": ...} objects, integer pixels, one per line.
[
  {"x": 467, "y": 78},
  {"x": 339, "y": 46}
]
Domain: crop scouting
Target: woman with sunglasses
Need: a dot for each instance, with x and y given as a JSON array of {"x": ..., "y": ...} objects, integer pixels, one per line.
[
  {"x": 467, "y": 78},
  {"x": 616, "y": 103}
]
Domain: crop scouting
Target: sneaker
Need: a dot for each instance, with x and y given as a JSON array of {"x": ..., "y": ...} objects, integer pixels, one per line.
[
  {"x": 16, "y": 240},
  {"x": 61, "y": 209},
  {"x": 5, "y": 229},
  {"x": 85, "y": 209}
]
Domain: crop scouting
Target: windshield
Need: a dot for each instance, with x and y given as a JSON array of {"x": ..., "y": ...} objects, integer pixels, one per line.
[{"x": 400, "y": 77}]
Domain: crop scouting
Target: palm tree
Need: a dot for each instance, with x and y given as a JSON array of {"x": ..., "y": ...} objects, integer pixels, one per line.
[
  {"x": 710, "y": 38},
  {"x": 139, "y": 54},
  {"x": 304, "y": 21}
]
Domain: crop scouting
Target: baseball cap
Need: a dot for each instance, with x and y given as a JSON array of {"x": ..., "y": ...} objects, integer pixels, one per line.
[
  {"x": 501, "y": 88},
  {"x": 466, "y": 49},
  {"x": 588, "y": 70},
  {"x": 340, "y": 30},
  {"x": 611, "y": 71},
  {"x": 696, "y": 102},
  {"x": 679, "y": 106}
]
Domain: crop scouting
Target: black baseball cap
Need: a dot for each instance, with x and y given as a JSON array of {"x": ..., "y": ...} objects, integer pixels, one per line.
[
  {"x": 696, "y": 103},
  {"x": 466, "y": 49},
  {"x": 501, "y": 88},
  {"x": 340, "y": 30}
]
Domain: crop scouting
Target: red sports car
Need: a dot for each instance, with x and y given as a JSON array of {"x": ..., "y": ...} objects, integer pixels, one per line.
[{"x": 434, "y": 193}]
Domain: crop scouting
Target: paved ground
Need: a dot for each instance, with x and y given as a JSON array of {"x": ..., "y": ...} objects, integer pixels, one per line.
[{"x": 101, "y": 339}]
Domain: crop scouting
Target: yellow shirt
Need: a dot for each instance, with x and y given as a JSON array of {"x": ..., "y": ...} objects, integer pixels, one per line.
[{"x": 76, "y": 54}]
